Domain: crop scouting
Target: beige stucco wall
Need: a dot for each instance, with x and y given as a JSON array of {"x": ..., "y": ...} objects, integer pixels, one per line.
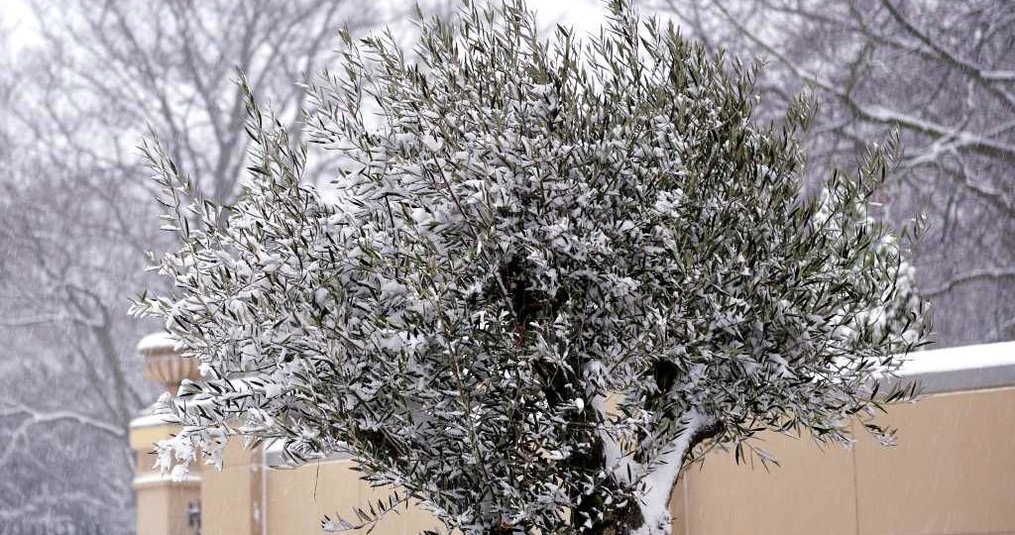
[
  {"x": 298, "y": 499},
  {"x": 720, "y": 496},
  {"x": 231, "y": 497},
  {"x": 953, "y": 473},
  {"x": 162, "y": 504}
]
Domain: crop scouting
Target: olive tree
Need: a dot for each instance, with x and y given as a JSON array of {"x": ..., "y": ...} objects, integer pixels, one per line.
[{"x": 549, "y": 272}]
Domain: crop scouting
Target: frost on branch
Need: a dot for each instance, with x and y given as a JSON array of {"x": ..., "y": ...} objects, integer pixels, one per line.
[{"x": 524, "y": 230}]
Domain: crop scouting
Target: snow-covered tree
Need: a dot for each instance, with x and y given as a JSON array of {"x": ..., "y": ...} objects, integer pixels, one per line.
[{"x": 550, "y": 272}]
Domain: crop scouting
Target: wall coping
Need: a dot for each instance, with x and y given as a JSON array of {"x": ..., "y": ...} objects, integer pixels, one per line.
[
  {"x": 274, "y": 458},
  {"x": 961, "y": 368},
  {"x": 156, "y": 479},
  {"x": 153, "y": 420}
]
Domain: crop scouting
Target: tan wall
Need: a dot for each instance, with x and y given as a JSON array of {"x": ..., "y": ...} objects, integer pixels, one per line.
[
  {"x": 952, "y": 473},
  {"x": 723, "y": 497},
  {"x": 231, "y": 497},
  {"x": 299, "y": 499},
  {"x": 162, "y": 504},
  {"x": 162, "y": 510}
]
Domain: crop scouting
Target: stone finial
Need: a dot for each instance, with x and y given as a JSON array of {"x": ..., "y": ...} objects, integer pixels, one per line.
[{"x": 163, "y": 364}]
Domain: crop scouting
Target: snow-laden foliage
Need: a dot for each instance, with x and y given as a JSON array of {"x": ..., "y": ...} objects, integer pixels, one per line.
[{"x": 552, "y": 268}]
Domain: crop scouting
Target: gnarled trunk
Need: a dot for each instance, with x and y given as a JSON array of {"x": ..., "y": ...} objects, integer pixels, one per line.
[{"x": 653, "y": 505}]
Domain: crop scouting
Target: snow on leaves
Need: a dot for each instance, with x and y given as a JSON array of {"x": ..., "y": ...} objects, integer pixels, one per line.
[{"x": 526, "y": 233}]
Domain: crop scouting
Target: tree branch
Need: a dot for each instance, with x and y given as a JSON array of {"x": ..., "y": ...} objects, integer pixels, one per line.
[{"x": 968, "y": 277}]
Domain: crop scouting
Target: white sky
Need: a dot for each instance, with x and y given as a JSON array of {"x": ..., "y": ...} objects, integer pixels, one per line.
[
  {"x": 15, "y": 15},
  {"x": 583, "y": 15}
]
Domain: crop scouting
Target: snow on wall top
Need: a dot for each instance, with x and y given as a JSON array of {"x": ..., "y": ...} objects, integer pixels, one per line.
[
  {"x": 274, "y": 457},
  {"x": 955, "y": 369},
  {"x": 155, "y": 341},
  {"x": 150, "y": 419}
]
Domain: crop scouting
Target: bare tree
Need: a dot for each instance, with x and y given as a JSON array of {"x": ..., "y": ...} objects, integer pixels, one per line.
[
  {"x": 6, "y": 89},
  {"x": 940, "y": 72},
  {"x": 74, "y": 207}
]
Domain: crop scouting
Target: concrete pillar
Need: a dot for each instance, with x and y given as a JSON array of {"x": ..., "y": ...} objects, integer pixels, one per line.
[
  {"x": 233, "y": 496},
  {"x": 164, "y": 507}
]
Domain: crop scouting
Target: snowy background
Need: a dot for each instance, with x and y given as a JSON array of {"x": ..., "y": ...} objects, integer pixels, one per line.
[{"x": 82, "y": 80}]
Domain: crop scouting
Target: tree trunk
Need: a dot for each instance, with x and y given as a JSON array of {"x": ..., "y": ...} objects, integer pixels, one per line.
[{"x": 652, "y": 514}]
